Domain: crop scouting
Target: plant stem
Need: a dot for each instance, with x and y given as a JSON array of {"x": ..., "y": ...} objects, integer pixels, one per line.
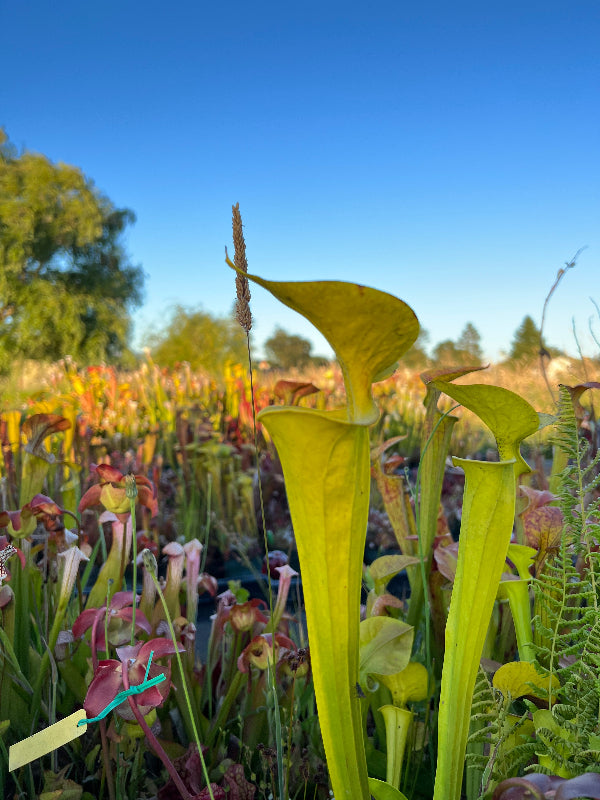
[
  {"x": 134, "y": 587},
  {"x": 103, "y": 737},
  {"x": 260, "y": 493},
  {"x": 106, "y": 760},
  {"x": 156, "y": 745},
  {"x": 271, "y": 674}
]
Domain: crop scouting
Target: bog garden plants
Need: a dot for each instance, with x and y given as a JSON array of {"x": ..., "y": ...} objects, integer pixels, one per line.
[{"x": 448, "y": 668}]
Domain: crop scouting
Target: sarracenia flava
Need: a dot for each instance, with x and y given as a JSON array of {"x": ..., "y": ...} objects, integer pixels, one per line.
[
  {"x": 485, "y": 532},
  {"x": 325, "y": 459}
]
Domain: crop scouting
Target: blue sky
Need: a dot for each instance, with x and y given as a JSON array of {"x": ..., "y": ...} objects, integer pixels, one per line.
[{"x": 448, "y": 153}]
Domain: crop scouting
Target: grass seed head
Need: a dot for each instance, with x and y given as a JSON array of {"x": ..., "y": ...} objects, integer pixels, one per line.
[{"x": 242, "y": 287}]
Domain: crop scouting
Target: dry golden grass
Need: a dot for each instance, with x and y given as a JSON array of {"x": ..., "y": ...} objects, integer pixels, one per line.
[{"x": 158, "y": 394}]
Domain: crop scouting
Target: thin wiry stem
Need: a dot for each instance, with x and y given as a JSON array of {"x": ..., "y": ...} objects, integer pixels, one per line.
[
  {"x": 108, "y": 774},
  {"x": 593, "y": 332},
  {"x": 594, "y": 337},
  {"x": 271, "y": 675},
  {"x": 543, "y": 352},
  {"x": 585, "y": 372},
  {"x": 578, "y": 346},
  {"x": 244, "y": 317},
  {"x": 260, "y": 492}
]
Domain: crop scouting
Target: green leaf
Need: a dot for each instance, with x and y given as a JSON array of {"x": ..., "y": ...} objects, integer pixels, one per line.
[
  {"x": 522, "y": 557},
  {"x": 73, "y": 678},
  {"x": 13, "y": 660},
  {"x": 549, "y": 731},
  {"x": 398, "y": 722},
  {"x": 383, "y": 569},
  {"x": 56, "y": 786},
  {"x": 325, "y": 459},
  {"x": 325, "y": 464},
  {"x": 546, "y": 419},
  {"x": 509, "y": 417},
  {"x": 521, "y": 678},
  {"x": 90, "y": 759},
  {"x": 384, "y": 791},
  {"x": 385, "y": 646},
  {"x": 369, "y": 331},
  {"x": 435, "y": 446},
  {"x": 410, "y": 685},
  {"x": 487, "y": 521}
]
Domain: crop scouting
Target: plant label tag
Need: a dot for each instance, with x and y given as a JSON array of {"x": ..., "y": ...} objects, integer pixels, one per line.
[{"x": 45, "y": 741}]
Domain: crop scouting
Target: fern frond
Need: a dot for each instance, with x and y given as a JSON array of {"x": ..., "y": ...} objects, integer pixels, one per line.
[
  {"x": 567, "y": 599},
  {"x": 498, "y": 742}
]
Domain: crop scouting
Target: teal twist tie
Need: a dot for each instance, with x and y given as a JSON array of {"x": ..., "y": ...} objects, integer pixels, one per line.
[{"x": 137, "y": 689}]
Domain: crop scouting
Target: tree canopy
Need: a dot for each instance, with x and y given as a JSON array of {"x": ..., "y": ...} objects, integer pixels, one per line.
[
  {"x": 202, "y": 339},
  {"x": 66, "y": 284},
  {"x": 466, "y": 349},
  {"x": 286, "y": 350},
  {"x": 469, "y": 342},
  {"x": 416, "y": 357},
  {"x": 526, "y": 344}
]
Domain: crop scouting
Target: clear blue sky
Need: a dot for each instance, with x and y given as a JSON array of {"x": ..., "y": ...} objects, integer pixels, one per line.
[{"x": 448, "y": 153}]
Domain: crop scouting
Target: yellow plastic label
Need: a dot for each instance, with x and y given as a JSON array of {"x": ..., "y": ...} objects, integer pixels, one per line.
[{"x": 45, "y": 741}]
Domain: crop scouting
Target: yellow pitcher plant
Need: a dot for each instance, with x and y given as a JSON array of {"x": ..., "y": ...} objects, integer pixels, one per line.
[
  {"x": 486, "y": 528},
  {"x": 325, "y": 459}
]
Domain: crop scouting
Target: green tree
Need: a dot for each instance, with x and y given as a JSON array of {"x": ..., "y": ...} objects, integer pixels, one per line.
[
  {"x": 446, "y": 352},
  {"x": 204, "y": 340},
  {"x": 416, "y": 357},
  {"x": 469, "y": 343},
  {"x": 66, "y": 284},
  {"x": 526, "y": 343},
  {"x": 287, "y": 350},
  {"x": 466, "y": 349}
]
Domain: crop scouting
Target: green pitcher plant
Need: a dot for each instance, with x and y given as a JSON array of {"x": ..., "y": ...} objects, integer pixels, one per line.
[
  {"x": 435, "y": 446},
  {"x": 515, "y": 589},
  {"x": 325, "y": 459},
  {"x": 486, "y": 529}
]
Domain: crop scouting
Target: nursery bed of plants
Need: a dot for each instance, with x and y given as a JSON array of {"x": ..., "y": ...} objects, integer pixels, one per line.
[{"x": 416, "y": 614}]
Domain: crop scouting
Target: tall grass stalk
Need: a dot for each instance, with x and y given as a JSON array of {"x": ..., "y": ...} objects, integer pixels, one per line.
[
  {"x": 131, "y": 492},
  {"x": 110, "y": 782},
  {"x": 244, "y": 317}
]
